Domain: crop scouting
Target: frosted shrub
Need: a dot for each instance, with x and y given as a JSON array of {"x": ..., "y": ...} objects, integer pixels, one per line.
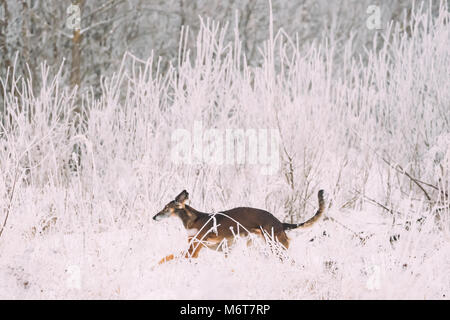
[{"x": 372, "y": 132}]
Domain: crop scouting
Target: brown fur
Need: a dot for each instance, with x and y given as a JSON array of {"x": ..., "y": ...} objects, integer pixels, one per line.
[{"x": 210, "y": 230}]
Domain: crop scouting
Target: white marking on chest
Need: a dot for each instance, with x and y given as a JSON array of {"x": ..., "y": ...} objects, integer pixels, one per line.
[{"x": 192, "y": 232}]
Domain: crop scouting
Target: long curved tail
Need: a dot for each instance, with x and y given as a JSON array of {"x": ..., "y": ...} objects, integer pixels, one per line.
[{"x": 289, "y": 226}]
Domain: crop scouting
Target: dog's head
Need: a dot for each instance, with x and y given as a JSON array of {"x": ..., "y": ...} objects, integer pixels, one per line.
[{"x": 173, "y": 206}]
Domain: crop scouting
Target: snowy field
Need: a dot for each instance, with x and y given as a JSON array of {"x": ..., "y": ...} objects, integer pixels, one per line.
[{"x": 374, "y": 133}]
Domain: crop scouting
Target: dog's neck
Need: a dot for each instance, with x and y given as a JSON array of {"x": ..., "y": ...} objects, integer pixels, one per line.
[{"x": 189, "y": 215}]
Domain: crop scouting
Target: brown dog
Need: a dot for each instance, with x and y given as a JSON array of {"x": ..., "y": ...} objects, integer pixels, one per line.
[{"x": 212, "y": 230}]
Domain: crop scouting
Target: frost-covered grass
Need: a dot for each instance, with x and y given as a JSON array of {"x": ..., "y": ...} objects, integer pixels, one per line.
[{"x": 345, "y": 128}]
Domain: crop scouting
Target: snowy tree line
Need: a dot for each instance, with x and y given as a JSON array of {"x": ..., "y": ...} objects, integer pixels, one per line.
[{"x": 33, "y": 32}]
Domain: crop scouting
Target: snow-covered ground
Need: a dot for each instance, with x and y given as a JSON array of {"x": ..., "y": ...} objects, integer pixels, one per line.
[
  {"x": 372, "y": 132},
  {"x": 326, "y": 262}
]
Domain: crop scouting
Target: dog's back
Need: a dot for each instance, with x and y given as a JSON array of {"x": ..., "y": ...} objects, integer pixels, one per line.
[{"x": 243, "y": 219}]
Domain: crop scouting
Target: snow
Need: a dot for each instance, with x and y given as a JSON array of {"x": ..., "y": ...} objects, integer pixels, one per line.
[{"x": 345, "y": 125}]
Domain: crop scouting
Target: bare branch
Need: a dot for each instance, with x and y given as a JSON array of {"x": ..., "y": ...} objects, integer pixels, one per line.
[
  {"x": 11, "y": 197},
  {"x": 403, "y": 171}
]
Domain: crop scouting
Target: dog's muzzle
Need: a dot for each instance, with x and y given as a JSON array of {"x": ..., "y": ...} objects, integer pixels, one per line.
[{"x": 161, "y": 215}]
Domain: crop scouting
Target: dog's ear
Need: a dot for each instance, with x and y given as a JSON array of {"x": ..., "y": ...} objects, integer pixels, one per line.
[{"x": 182, "y": 197}]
